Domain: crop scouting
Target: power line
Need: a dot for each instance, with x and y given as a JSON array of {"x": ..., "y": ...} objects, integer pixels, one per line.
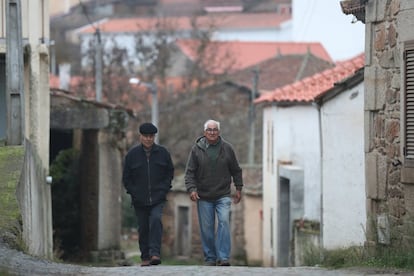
[
  {"x": 85, "y": 12},
  {"x": 306, "y": 19},
  {"x": 98, "y": 56}
]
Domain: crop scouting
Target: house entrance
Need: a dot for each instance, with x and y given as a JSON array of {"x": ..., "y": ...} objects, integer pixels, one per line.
[
  {"x": 291, "y": 207},
  {"x": 183, "y": 238},
  {"x": 284, "y": 222}
]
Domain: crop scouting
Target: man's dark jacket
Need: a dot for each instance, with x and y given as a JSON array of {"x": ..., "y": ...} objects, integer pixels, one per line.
[
  {"x": 212, "y": 182},
  {"x": 148, "y": 180}
]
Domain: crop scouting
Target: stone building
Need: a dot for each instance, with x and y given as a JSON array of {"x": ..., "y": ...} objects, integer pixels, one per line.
[
  {"x": 389, "y": 155},
  {"x": 24, "y": 114}
]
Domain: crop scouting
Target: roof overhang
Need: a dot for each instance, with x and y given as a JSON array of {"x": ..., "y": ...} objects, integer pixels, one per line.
[{"x": 354, "y": 7}]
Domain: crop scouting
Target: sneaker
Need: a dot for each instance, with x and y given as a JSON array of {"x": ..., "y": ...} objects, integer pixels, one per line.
[
  {"x": 210, "y": 263},
  {"x": 145, "y": 263},
  {"x": 223, "y": 263},
  {"x": 155, "y": 260}
]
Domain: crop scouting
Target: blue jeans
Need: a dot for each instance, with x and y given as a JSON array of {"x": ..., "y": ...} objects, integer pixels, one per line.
[
  {"x": 215, "y": 249},
  {"x": 149, "y": 230}
]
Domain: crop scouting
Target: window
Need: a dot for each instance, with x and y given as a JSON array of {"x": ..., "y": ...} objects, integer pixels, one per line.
[
  {"x": 408, "y": 76},
  {"x": 3, "y": 109}
]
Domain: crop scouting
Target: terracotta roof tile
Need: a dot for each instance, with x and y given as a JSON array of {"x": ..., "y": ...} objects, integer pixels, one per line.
[
  {"x": 245, "y": 54},
  {"x": 221, "y": 2},
  {"x": 308, "y": 89},
  {"x": 281, "y": 70},
  {"x": 236, "y": 20}
]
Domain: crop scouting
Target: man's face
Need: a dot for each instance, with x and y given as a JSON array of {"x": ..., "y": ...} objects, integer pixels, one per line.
[
  {"x": 212, "y": 133},
  {"x": 147, "y": 140}
]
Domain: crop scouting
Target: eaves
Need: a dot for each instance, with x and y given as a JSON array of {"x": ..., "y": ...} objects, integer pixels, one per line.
[{"x": 341, "y": 86}]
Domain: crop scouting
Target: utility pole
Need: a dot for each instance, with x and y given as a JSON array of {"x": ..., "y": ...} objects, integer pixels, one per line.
[
  {"x": 153, "y": 89},
  {"x": 52, "y": 57},
  {"x": 14, "y": 74},
  {"x": 98, "y": 66},
  {"x": 252, "y": 116}
]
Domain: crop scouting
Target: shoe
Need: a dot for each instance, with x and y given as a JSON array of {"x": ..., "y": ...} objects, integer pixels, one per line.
[
  {"x": 223, "y": 263},
  {"x": 145, "y": 263},
  {"x": 155, "y": 260},
  {"x": 210, "y": 263}
]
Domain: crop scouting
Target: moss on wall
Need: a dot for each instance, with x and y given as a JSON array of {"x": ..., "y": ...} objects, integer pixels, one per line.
[{"x": 11, "y": 164}]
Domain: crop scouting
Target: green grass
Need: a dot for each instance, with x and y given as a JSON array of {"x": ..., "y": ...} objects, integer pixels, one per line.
[
  {"x": 4, "y": 272},
  {"x": 379, "y": 257},
  {"x": 11, "y": 164}
]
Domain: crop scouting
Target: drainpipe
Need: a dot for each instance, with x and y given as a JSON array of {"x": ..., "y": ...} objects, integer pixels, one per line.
[
  {"x": 318, "y": 107},
  {"x": 98, "y": 66},
  {"x": 14, "y": 74},
  {"x": 253, "y": 94}
]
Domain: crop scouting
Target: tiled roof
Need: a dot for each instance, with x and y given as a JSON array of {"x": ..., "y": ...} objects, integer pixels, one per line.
[
  {"x": 281, "y": 70},
  {"x": 245, "y": 54},
  {"x": 355, "y": 7},
  {"x": 221, "y": 2},
  {"x": 308, "y": 89},
  {"x": 235, "y": 20}
]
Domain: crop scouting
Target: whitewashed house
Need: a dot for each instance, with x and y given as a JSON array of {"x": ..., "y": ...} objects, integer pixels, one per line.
[
  {"x": 122, "y": 32},
  {"x": 313, "y": 162},
  {"x": 305, "y": 22},
  {"x": 343, "y": 168}
]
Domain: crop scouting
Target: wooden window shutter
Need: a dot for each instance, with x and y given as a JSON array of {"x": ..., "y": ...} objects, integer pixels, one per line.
[{"x": 409, "y": 103}]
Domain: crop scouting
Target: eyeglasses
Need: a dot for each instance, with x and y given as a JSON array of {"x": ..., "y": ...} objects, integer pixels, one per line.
[{"x": 212, "y": 130}]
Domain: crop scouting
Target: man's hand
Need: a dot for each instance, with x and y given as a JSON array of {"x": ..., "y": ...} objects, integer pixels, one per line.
[
  {"x": 194, "y": 196},
  {"x": 237, "y": 197}
]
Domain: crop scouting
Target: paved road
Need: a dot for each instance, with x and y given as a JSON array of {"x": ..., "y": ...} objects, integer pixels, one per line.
[{"x": 16, "y": 263}]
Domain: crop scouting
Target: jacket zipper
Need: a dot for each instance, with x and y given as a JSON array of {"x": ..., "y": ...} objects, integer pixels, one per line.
[{"x": 149, "y": 181}]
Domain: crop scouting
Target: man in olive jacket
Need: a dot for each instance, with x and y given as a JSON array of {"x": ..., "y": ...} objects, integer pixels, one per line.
[
  {"x": 211, "y": 168},
  {"x": 147, "y": 175}
]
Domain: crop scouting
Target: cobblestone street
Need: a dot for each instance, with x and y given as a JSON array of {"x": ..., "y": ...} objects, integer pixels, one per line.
[{"x": 13, "y": 262}]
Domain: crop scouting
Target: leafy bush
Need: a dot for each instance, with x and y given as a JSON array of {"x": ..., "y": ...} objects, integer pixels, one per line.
[{"x": 65, "y": 203}]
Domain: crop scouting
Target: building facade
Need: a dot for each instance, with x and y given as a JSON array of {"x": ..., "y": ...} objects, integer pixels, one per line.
[
  {"x": 388, "y": 138},
  {"x": 25, "y": 101}
]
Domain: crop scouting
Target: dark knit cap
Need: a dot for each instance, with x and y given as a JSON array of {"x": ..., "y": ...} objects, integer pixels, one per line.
[{"x": 148, "y": 128}]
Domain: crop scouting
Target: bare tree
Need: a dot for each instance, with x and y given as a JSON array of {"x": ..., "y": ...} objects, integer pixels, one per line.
[
  {"x": 212, "y": 60},
  {"x": 155, "y": 52},
  {"x": 152, "y": 47}
]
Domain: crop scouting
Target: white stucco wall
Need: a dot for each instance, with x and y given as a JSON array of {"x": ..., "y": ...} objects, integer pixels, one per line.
[
  {"x": 269, "y": 190},
  {"x": 33, "y": 193},
  {"x": 128, "y": 40},
  {"x": 323, "y": 21},
  {"x": 284, "y": 33},
  {"x": 253, "y": 228},
  {"x": 296, "y": 139},
  {"x": 121, "y": 40},
  {"x": 344, "y": 208}
]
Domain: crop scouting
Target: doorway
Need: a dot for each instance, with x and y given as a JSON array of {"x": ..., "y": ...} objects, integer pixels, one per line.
[
  {"x": 284, "y": 222},
  {"x": 183, "y": 231}
]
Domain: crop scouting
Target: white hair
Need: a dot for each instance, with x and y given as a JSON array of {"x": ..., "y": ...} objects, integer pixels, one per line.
[{"x": 211, "y": 121}]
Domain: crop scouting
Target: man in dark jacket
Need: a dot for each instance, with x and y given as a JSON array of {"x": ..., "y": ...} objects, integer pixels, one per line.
[
  {"x": 147, "y": 175},
  {"x": 211, "y": 167}
]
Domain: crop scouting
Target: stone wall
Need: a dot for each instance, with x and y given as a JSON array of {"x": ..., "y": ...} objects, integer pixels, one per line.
[{"x": 388, "y": 198}]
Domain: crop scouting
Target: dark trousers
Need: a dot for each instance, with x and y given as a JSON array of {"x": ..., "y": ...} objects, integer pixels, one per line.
[{"x": 149, "y": 229}]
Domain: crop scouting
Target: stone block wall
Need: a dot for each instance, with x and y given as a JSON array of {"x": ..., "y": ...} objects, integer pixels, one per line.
[{"x": 388, "y": 26}]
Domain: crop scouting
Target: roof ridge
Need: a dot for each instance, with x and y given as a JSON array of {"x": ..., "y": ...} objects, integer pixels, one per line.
[{"x": 310, "y": 87}]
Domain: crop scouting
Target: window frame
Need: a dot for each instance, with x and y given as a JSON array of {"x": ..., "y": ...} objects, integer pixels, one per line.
[{"x": 408, "y": 104}]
